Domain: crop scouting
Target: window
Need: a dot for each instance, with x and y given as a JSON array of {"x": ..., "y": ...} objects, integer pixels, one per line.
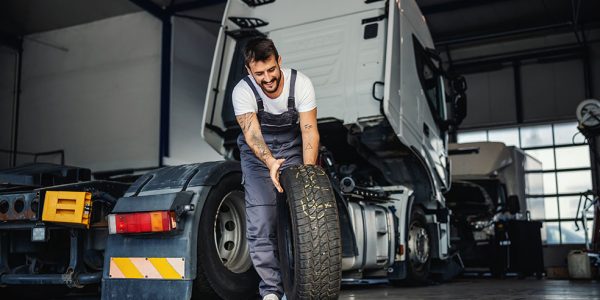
[
  {"x": 554, "y": 188},
  {"x": 431, "y": 78}
]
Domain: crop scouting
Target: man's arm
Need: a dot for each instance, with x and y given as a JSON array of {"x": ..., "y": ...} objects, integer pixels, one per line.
[
  {"x": 310, "y": 136},
  {"x": 255, "y": 140}
]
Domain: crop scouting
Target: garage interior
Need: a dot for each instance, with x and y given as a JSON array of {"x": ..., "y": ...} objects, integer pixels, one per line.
[{"x": 118, "y": 87}]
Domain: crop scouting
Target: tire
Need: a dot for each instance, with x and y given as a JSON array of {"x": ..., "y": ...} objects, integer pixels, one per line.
[
  {"x": 418, "y": 241},
  {"x": 224, "y": 268},
  {"x": 309, "y": 235}
]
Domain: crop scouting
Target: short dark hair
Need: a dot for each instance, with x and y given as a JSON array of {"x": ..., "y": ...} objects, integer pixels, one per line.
[{"x": 259, "y": 49}]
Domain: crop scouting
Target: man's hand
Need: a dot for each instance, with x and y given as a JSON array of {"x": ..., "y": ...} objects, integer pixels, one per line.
[{"x": 274, "y": 166}]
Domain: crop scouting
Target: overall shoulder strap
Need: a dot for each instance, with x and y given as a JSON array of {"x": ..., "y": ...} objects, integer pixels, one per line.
[
  {"x": 259, "y": 100},
  {"x": 292, "y": 98}
]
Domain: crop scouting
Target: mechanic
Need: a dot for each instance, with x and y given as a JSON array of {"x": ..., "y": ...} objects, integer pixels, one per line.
[{"x": 277, "y": 111}]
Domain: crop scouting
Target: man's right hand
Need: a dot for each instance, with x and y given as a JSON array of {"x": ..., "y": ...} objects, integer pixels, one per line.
[{"x": 274, "y": 166}]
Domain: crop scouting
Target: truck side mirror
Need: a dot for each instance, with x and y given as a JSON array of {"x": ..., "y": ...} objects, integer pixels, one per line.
[
  {"x": 459, "y": 99},
  {"x": 459, "y": 84},
  {"x": 460, "y": 107}
]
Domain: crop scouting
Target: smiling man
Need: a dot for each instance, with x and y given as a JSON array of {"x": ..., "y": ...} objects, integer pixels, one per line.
[{"x": 277, "y": 111}]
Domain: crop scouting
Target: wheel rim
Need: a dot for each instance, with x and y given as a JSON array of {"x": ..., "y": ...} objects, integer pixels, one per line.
[
  {"x": 418, "y": 244},
  {"x": 229, "y": 233}
]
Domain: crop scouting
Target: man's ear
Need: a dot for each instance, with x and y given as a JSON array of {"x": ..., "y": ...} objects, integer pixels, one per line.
[
  {"x": 279, "y": 60},
  {"x": 248, "y": 70}
]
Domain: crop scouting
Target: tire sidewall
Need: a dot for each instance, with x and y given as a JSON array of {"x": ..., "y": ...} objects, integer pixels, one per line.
[{"x": 224, "y": 282}]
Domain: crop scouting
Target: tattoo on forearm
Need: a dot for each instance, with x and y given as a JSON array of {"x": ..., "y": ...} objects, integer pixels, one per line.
[
  {"x": 307, "y": 126},
  {"x": 308, "y": 146},
  {"x": 260, "y": 148},
  {"x": 253, "y": 137},
  {"x": 245, "y": 121}
]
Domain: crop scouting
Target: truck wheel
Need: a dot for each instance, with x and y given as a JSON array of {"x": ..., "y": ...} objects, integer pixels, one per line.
[
  {"x": 224, "y": 267},
  {"x": 419, "y": 248},
  {"x": 309, "y": 235}
]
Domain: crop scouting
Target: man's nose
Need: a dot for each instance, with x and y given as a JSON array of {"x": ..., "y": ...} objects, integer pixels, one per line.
[{"x": 268, "y": 77}]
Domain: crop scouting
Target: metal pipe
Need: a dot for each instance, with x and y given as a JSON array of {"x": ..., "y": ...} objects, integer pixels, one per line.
[
  {"x": 17, "y": 103},
  {"x": 54, "y": 279},
  {"x": 89, "y": 278},
  {"x": 218, "y": 22},
  {"x": 518, "y": 91},
  {"x": 165, "y": 88}
]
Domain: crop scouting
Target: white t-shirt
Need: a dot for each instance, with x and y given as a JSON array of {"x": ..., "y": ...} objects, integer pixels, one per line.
[{"x": 245, "y": 102}]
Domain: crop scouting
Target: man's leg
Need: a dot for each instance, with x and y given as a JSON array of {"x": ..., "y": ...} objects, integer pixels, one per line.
[{"x": 261, "y": 221}]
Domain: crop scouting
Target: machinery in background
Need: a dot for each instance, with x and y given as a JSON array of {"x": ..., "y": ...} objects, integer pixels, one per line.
[
  {"x": 490, "y": 221},
  {"x": 588, "y": 115},
  {"x": 583, "y": 264}
]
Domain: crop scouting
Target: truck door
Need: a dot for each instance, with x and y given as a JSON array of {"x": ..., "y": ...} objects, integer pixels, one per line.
[
  {"x": 433, "y": 110},
  {"x": 414, "y": 92}
]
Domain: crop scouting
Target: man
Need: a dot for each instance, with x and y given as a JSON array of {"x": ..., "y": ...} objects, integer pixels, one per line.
[{"x": 268, "y": 104}]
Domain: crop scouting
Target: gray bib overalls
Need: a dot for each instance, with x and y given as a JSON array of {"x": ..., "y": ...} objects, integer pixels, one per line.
[{"x": 282, "y": 135}]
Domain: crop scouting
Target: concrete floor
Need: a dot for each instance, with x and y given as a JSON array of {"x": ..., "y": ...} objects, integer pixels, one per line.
[
  {"x": 464, "y": 288},
  {"x": 467, "y": 288}
]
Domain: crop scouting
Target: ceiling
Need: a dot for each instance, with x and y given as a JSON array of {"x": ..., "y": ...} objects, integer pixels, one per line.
[
  {"x": 461, "y": 20},
  {"x": 449, "y": 20}
]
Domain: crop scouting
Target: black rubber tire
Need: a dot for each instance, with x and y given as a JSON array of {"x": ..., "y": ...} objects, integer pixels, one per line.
[
  {"x": 418, "y": 273},
  {"x": 213, "y": 280},
  {"x": 309, "y": 235}
]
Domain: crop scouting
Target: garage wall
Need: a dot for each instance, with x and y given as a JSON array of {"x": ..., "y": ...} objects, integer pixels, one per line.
[
  {"x": 550, "y": 89},
  {"x": 193, "y": 48},
  {"x": 8, "y": 61},
  {"x": 93, "y": 90},
  {"x": 491, "y": 98}
]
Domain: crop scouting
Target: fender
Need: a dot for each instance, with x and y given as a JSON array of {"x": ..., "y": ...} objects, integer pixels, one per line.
[
  {"x": 401, "y": 207},
  {"x": 194, "y": 178}
]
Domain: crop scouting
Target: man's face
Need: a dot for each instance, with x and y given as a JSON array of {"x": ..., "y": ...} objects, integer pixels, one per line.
[{"x": 266, "y": 73}]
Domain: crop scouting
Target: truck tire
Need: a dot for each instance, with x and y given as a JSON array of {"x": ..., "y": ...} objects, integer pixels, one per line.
[
  {"x": 224, "y": 268},
  {"x": 309, "y": 235},
  {"x": 418, "y": 243}
]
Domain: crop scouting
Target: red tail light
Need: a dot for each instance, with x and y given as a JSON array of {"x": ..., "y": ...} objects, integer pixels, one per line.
[{"x": 142, "y": 222}]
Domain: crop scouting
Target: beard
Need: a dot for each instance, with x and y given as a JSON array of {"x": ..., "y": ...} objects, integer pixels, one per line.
[{"x": 275, "y": 84}]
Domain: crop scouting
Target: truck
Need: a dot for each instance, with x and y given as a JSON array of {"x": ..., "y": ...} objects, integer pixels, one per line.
[
  {"x": 488, "y": 197},
  {"x": 372, "y": 210}
]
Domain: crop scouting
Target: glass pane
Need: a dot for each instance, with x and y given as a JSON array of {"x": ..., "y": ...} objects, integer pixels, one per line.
[
  {"x": 571, "y": 234},
  {"x": 568, "y": 207},
  {"x": 552, "y": 233},
  {"x": 567, "y": 133},
  {"x": 472, "y": 136},
  {"x": 508, "y": 136},
  {"x": 532, "y": 163},
  {"x": 549, "y": 183},
  {"x": 572, "y": 157},
  {"x": 534, "y": 184},
  {"x": 551, "y": 208},
  {"x": 574, "y": 181},
  {"x": 536, "y": 208},
  {"x": 535, "y": 136},
  {"x": 545, "y": 156}
]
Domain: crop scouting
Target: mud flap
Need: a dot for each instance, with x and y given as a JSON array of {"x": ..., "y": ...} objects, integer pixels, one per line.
[
  {"x": 444, "y": 270},
  {"x": 146, "y": 289}
]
